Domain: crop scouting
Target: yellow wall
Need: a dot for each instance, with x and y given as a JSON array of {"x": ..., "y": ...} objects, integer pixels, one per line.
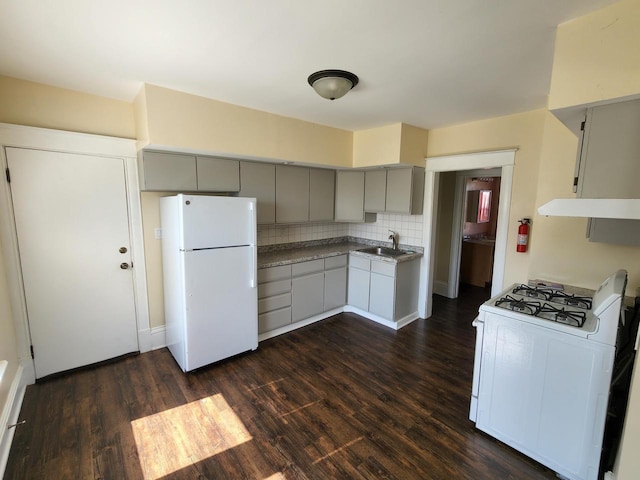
[
  {"x": 180, "y": 120},
  {"x": 38, "y": 105},
  {"x": 413, "y": 145},
  {"x": 597, "y": 57},
  {"x": 377, "y": 146},
  {"x": 523, "y": 131},
  {"x": 389, "y": 145}
]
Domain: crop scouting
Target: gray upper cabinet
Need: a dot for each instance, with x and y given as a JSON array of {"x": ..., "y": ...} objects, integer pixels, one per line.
[
  {"x": 608, "y": 167},
  {"x": 610, "y": 152},
  {"x": 258, "y": 180},
  {"x": 322, "y": 187},
  {"x": 375, "y": 189},
  {"x": 292, "y": 194},
  {"x": 169, "y": 172},
  {"x": 218, "y": 174},
  {"x": 349, "y": 196},
  {"x": 405, "y": 190}
]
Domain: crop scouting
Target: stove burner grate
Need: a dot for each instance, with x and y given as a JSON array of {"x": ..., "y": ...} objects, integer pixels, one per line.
[
  {"x": 561, "y": 315},
  {"x": 533, "y": 292},
  {"x": 571, "y": 299},
  {"x": 522, "y": 306}
]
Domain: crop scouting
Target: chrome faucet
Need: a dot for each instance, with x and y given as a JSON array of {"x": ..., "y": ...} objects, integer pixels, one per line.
[{"x": 394, "y": 239}]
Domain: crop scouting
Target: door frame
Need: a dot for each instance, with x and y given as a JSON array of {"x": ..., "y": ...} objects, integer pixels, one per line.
[
  {"x": 504, "y": 159},
  {"x": 77, "y": 143}
]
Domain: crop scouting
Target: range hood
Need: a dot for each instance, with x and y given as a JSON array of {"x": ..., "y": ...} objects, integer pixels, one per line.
[{"x": 624, "y": 208}]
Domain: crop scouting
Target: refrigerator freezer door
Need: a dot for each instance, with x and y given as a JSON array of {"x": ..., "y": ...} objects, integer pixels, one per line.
[
  {"x": 211, "y": 222},
  {"x": 221, "y": 304}
]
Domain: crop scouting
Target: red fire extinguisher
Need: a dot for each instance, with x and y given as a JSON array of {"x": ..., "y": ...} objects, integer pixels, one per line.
[{"x": 523, "y": 235}]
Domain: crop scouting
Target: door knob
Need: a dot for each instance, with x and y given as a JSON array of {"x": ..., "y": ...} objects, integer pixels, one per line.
[{"x": 124, "y": 265}]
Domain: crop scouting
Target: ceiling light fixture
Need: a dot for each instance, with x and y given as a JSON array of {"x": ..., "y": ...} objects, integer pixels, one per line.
[{"x": 332, "y": 84}]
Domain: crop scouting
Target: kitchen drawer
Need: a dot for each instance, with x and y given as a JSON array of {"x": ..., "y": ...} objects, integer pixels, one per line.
[
  {"x": 359, "y": 262},
  {"x": 268, "y": 304},
  {"x": 384, "y": 268},
  {"x": 274, "y": 273},
  {"x": 272, "y": 320},
  {"x": 303, "y": 268},
  {"x": 274, "y": 288},
  {"x": 335, "y": 262}
]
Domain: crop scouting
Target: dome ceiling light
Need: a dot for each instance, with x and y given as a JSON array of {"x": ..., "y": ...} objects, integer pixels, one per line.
[{"x": 332, "y": 84}]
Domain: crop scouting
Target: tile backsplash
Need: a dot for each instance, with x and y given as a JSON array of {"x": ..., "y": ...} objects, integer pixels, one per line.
[{"x": 409, "y": 227}]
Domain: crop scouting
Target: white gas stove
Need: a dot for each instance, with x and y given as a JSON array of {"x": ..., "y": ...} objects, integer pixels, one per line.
[
  {"x": 570, "y": 310},
  {"x": 542, "y": 371}
]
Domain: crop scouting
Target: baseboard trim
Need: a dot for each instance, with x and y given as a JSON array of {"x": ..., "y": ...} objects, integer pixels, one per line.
[
  {"x": 302, "y": 323},
  {"x": 397, "y": 325},
  {"x": 10, "y": 415},
  {"x": 158, "y": 337},
  {"x": 441, "y": 288}
]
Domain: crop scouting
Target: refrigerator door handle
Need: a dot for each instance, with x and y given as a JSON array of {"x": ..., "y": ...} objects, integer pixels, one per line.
[
  {"x": 252, "y": 282},
  {"x": 252, "y": 222}
]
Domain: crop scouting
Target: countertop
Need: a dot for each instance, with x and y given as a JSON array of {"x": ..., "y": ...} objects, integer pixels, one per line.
[{"x": 285, "y": 256}]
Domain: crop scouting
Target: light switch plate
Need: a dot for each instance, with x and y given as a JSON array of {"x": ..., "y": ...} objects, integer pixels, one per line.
[{"x": 158, "y": 232}]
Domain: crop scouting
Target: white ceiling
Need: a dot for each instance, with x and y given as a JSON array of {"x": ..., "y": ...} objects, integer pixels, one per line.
[{"x": 428, "y": 63}]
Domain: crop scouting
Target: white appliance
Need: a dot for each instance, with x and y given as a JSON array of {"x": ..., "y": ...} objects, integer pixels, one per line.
[
  {"x": 542, "y": 372},
  {"x": 209, "y": 269}
]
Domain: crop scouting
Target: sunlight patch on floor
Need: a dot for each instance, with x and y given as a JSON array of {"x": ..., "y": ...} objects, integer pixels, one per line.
[{"x": 176, "y": 438}]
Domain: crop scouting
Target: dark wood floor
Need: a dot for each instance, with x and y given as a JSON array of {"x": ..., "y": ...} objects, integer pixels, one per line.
[{"x": 343, "y": 398}]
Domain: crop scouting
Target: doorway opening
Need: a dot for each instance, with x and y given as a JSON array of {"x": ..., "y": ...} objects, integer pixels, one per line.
[
  {"x": 489, "y": 164},
  {"x": 466, "y": 230}
]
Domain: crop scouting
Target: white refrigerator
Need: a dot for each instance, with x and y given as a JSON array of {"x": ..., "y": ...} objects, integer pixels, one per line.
[{"x": 209, "y": 270}]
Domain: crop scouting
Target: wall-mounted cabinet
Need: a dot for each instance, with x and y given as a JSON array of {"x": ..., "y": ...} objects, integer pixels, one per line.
[
  {"x": 169, "y": 172},
  {"x": 304, "y": 194},
  {"x": 607, "y": 166},
  {"x": 395, "y": 190},
  {"x": 174, "y": 172},
  {"x": 292, "y": 194},
  {"x": 375, "y": 190},
  {"x": 322, "y": 187},
  {"x": 258, "y": 180},
  {"x": 405, "y": 190},
  {"x": 349, "y": 196},
  {"x": 218, "y": 174}
]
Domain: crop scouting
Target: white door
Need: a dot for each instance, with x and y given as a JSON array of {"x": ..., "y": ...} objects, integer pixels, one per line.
[{"x": 72, "y": 227}]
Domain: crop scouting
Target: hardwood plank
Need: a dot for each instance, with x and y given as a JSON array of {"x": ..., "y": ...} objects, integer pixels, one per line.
[{"x": 342, "y": 398}]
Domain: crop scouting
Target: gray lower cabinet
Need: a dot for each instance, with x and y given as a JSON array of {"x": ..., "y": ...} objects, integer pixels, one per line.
[
  {"x": 218, "y": 174},
  {"x": 382, "y": 289},
  {"x": 291, "y": 293},
  {"x": 258, "y": 180},
  {"x": 322, "y": 187},
  {"x": 307, "y": 289},
  {"x": 168, "y": 172},
  {"x": 292, "y": 194},
  {"x": 386, "y": 289},
  {"x": 274, "y": 297},
  {"x": 335, "y": 282},
  {"x": 359, "y": 277}
]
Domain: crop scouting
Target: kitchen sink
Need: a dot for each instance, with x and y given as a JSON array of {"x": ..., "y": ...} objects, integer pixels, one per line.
[{"x": 383, "y": 251}]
